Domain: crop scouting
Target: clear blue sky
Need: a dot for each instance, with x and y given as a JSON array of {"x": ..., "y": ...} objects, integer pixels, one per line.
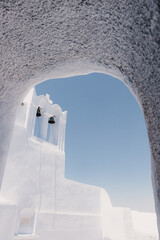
[{"x": 106, "y": 137}]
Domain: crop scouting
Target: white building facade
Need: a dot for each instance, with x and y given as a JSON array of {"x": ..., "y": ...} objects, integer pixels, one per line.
[{"x": 37, "y": 202}]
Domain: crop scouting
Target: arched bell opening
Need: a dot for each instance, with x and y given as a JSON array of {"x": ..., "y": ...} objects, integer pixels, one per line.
[
  {"x": 52, "y": 129},
  {"x": 46, "y": 121},
  {"x": 38, "y": 122},
  {"x": 54, "y": 125}
]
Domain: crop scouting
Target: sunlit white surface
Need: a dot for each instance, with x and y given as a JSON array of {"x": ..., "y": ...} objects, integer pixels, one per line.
[{"x": 40, "y": 203}]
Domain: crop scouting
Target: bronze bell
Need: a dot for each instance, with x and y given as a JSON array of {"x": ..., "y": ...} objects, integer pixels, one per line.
[
  {"x": 38, "y": 113},
  {"x": 51, "y": 120}
]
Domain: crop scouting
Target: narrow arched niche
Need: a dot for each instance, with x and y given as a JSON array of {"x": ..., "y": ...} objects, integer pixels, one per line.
[{"x": 26, "y": 221}]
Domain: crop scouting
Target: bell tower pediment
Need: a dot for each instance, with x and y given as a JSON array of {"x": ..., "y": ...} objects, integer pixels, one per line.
[{"x": 42, "y": 119}]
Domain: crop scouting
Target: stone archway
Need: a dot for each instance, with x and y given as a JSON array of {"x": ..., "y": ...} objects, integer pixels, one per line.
[{"x": 46, "y": 39}]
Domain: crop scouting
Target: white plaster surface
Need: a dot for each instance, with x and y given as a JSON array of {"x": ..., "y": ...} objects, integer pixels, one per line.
[
  {"x": 8, "y": 217},
  {"x": 144, "y": 223}
]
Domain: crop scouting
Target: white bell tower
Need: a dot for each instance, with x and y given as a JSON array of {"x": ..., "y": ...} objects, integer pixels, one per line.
[
  {"x": 36, "y": 161},
  {"x": 54, "y": 132}
]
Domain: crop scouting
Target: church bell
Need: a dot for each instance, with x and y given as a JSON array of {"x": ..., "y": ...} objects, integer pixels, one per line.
[
  {"x": 51, "y": 120},
  {"x": 38, "y": 113}
]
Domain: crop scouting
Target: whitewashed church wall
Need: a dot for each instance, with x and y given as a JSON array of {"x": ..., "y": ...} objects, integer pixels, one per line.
[
  {"x": 76, "y": 197},
  {"x": 123, "y": 227},
  {"x": 63, "y": 226},
  {"x": 36, "y": 169},
  {"x": 145, "y": 222},
  {"x": 21, "y": 182},
  {"x": 8, "y": 219}
]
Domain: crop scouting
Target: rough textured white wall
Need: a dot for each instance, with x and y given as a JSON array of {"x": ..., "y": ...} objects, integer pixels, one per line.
[{"x": 45, "y": 39}]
